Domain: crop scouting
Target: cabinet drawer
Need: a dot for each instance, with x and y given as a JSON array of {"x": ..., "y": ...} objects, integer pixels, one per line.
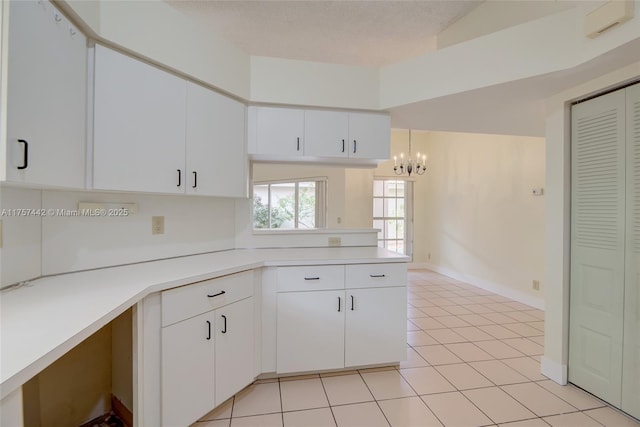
[
  {"x": 310, "y": 278},
  {"x": 372, "y": 275},
  {"x": 188, "y": 301}
]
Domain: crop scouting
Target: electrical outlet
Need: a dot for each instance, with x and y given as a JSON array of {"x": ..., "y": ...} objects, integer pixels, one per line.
[
  {"x": 335, "y": 241},
  {"x": 157, "y": 225},
  {"x": 536, "y": 285}
]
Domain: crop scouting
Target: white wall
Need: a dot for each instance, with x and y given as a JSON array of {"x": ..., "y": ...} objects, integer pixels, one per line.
[
  {"x": 474, "y": 216},
  {"x": 557, "y": 214},
  {"x": 35, "y": 246}
]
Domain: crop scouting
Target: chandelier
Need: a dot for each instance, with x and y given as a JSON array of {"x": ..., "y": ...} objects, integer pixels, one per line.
[{"x": 409, "y": 165}]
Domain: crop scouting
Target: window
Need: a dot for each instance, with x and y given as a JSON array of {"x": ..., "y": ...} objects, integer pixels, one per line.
[
  {"x": 392, "y": 214},
  {"x": 292, "y": 204}
]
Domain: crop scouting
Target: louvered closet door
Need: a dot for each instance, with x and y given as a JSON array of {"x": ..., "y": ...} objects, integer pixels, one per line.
[
  {"x": 631, "y": 347},
  {"x": 597, "y": 245}
]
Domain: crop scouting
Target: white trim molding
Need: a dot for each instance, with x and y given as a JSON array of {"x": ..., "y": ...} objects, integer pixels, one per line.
[{"x": 553, "y": 370}]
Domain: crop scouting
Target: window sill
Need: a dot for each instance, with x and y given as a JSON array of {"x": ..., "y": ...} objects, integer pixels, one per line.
[{"x": 314, "y": 231}]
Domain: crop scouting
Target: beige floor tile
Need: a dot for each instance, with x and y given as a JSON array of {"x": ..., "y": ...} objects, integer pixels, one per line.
[
  {"x": 518, "y": 306},
  {"x": 457, "y": 310},
  {"x": 414, "y": 360},
  {"x": 499, "y": 318},
  {"x": 521, "y": 316},
  {"x": 415, "y": 313},
  {"x": 408, "y": 412},
  {"x": 499, "y": 307},
  {"x": 416, "y": 338},
  {"x": 478, "y": 308},
  {"x": 527, "y": 367},
  {"x": 437, "y": 355},
  {"x": 540, "y": 401},
  {"x": 322, "y": 417},
  {"x": 426, "y": 380},
  {"x": 463, "y": 376},
  {"x": 498, "y": 349},
  {"x": 412, "y": 326},
  {"x": 338, "y": 373},
  {"x": 498, "y": 405},
  {"x": 303, "y": 394},
  {"x": 446, "y": 336},
  {"x": 572, "y": 395},
  {"x": 538, "y": 314},
  {"x": 469, "y": 352},
  {"x": 480, "y": 299},
  {"x": 460, "y": 300},
  {"x": 421, "y": 302},
  {"x": 472, "y": 333},
  {"x": 498, "y": 372},
  {"x": 535, "y": 422},
  {"x": 525, "y": 346},
  {"x": 441, "y": 302},
  {"x": 388, "y": 384},
  {"x": 435, "y": 311},
  {"x": 523, "y": 329},
  {"x": 427, "y": 323},
  {"x": 454, "y": 409},
  {"x": 538, "y": 340},
  {"x": 359, "y": 415},
  {"x": 498, "y": 331},
  {"x": 611, "y": 418},
  {"x": 451, "y": 321},
  {"x": 221, "y": 412},
  {"x": 271, "y": 420},
  {"x": 257, "y": 399},
  {"x": 576, "y": 419},
  {"x": 346, "y": 389},
  {"x": 215, "y": 423},
  {"x": 476, "y": 319}
]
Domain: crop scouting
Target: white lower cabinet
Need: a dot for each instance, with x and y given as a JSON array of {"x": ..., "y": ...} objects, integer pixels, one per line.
[
  {"x": 376, "y": 326},
  {"x": 310, "y": 331},
  {"x": 321, "y": 329},
  {"x": 206, "y": 357}
]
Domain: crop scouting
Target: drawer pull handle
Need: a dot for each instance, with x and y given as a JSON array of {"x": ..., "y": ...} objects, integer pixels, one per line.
[
  {"x": 25, "y": 156},
  {"x": 195, "y": 179},
  {"x": 217, "y": 295},
  {"x": 224, "y": 328},
  {"x": 179, "y": 178},
  {"x": 377, "y": 275},
  {"x": 339, "y": 304},
  {"x": 312, "y": 278},
  {"x": 352, "y": 302},
  {"x": 209, "y": 330}
]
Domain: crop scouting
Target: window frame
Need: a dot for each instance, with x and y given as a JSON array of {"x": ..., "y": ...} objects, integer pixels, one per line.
[
  {"x": 408, "y": 213},
  {"x": 321, "y": 184}
]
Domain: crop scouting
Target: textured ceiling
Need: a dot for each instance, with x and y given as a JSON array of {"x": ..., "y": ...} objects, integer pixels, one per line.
[{"x": 371, "y": 33}]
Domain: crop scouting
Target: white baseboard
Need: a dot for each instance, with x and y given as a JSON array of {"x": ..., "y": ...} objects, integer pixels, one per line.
[
  {"x": 553, "y": 370},
  {"x": 505, "y": 291}
]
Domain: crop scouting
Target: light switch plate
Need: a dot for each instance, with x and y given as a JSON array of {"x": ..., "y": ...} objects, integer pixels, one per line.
[
  {"x": 335, "y": 241},
  {"x": 157, "y": 225}
]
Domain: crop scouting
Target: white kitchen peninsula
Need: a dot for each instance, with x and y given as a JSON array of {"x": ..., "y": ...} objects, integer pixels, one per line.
[{"x": 45, "y": 318}]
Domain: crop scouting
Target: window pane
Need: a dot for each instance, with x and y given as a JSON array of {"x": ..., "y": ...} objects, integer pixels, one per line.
[
  {"x": 379, "y": 224},
  {"x": 282, "y": 205},
  {"x": 389, "y": 188},
  {"x": 261, "y": 206},
  {"x": 400, "y": 229},
  {"x": 400, "y": 247},
  {"x": 400, "y": 210},
  {"x": 306, "y": 205},
  {"x": 377, "y": 207},
  {"x": 392, "y": 245},
  {"x": 390, "y": 207},
  {"x": 400, "y": 189},
  {"x": 391, "y": 229},
  {"x": 377, "y": 188}
]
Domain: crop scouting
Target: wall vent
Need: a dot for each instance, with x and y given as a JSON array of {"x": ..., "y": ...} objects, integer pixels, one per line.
[{"x": 607, "y": 16}]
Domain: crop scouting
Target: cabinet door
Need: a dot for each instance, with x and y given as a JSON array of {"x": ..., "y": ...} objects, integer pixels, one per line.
[
  {"x": 310, "y": 331},
  {"x": 46, "y": 97},
  {"x": 279, "y": 131},
  {"x": 326, "y": 133},
  {"x": 234, "y": 348},
  {"x": 216, "y": 149},
  {"x": 376, "y": 326},
  {"x": 369, "y": 136},
  {"x": 139, "y": 126},
  {"x": 187, "y": 370}
]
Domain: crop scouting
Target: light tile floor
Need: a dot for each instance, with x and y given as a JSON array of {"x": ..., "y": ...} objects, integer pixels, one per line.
[{"x": 473, "y": 359}]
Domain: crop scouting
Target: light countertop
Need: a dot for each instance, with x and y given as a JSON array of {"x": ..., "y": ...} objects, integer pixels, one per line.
[{"x": 42, "y": 320}]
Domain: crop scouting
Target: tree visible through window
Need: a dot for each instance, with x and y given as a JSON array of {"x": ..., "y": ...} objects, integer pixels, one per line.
[{"x": 294, "y": 204}]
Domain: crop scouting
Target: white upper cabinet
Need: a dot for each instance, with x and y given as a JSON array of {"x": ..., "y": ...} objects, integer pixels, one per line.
[
  {"x": 311, "y": 135},
  {"x": 46, "y": 97},
  {"x": 216, "y": 149},
  {"x": 156, "y": 132},
  {"x": 278, "y": 131},
  {"x": 369, "y": 136},
  {"x": 139, "y": 126},
  {"x": 326, "y": 133}
]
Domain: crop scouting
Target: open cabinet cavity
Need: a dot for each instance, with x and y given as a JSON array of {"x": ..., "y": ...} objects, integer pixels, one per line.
[{"x": 90, "y": 385}]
